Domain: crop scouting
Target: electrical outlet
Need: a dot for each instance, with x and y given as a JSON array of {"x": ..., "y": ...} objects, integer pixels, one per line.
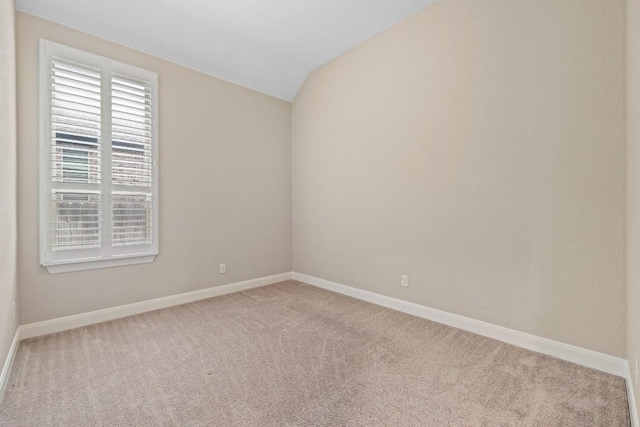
[
  {"x": 404, "y": 280},
  {"x": 13, "y": 311},
  {"x": 636, "y": 371},
  {"x": 223, "y": 268}
]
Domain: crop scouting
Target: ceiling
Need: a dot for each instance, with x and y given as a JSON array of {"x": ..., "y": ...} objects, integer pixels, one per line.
[{"x": 267, "y": 45}]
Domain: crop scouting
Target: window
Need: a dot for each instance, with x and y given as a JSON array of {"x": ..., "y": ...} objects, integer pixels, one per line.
[{"x": 99, "y": 174}]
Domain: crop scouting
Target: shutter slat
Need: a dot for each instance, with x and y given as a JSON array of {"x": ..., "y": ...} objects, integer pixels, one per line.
[
  {"x": 76, "y": 115},
  {"x": 88, "y": 155},
  {"x": 72, "y": 180},
  {"x": 122, "y": 173},
  {"x": 131, "y": 171},
  {"x": 124, "y": 128},
  {"x": 137, "y": 133},
  {"x": 123, "y": 97},
  {"x": 122, "y": 157},
  {"x": 127, "y": 135},
  {"x": 76, "y": 91},
  {"x": 63, "y": 121},
  {"x": 56, "y": 101},
  {"x": 74, "y": 83},
  {"x": 78, "y": 211},
  {"x": 76, "y": 77},
  {"x": 95, "y": 116},
  {"x": 131, "y": 140},
  {"x": 133, "y": 109},
  {"x": 75, "y": 158},
  {"x": 78, "y": 246},
  {"x": 75, "y": 147},
  {"x": 121, "y": 117},
  {"x": 139, "y": 224},
  {"x": 130, "y": 82},
  {"x": 135, "y": 143},
  {"x": 141, "y": 92},
  {"x": 56, "y": 229},
  {"x": 72, "y": 68},
  {"x": 90, "y": 135},
  {"x": 126, "y": 122},
  {"x": 141, "y": 141},
  {"x": 136, "y": 180},
  {"x": 136, "y": 151},
  {"x": 139, "y": 103},
  {"x": 131, "y": 112}
]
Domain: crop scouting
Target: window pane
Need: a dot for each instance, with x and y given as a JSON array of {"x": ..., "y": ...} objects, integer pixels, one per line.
[
  {"x": 131, "y": 219},
  {"x": 131, "y": 132},
  {"x": 75, "y": 123},
  {"x": 75, "y": 220}
]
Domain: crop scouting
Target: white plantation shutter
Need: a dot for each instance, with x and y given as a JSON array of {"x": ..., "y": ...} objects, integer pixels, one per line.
[
  {"x": 132, "y": 161},
  {"x": 99, "y": 161},
  {"x": 75, "y": 156}
]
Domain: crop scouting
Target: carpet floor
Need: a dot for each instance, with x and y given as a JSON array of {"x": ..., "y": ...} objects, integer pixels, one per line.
[{"x": 291, "y": 354}]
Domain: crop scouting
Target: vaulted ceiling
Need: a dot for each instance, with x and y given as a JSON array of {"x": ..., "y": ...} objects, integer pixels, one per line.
[{"x": 267, "y": 45}]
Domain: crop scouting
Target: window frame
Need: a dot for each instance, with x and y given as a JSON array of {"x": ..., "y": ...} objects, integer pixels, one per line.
[{"x": 107, "y": 255}]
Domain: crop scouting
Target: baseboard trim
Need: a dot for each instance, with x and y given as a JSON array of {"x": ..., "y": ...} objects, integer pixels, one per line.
[
  {"x": 633, "y": 411},
  {"x": 76, "y": 321},
  {"x": 8, "y": 364},
  {"x": 581, "y": 356}
]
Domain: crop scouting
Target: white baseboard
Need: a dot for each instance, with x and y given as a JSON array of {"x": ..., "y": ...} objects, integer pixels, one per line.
[
  {"x": 8, "y": 364},
  {"x": 76, "y": 321},
  {"x": 633, "y": 411},
  {"x": 581, "y": 356}
]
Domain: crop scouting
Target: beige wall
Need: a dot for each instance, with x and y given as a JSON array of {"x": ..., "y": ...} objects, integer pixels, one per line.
[
  {"x": 633, "y": 188},
  {"x": 8, "y": 290},
  {"x": 225, "y": 182},
  {"x": 478, "y": 147}
]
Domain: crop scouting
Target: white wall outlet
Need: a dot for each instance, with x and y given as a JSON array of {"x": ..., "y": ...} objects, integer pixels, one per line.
[
  {"x": 13, "y": 312},
  {"x": 404, "y": 280},
  {"x": 636, "y": 370},
  {"x": 223, "y": 268}
]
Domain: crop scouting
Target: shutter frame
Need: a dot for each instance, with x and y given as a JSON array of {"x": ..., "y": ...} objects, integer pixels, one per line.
[{"x": 74, "y": 168}]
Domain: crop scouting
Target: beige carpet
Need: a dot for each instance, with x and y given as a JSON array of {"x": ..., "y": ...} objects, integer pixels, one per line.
[{"x": 295, "y": 355}]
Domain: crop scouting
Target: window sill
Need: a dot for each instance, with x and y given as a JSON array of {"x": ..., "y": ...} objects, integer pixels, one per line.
[{"x": 68, "y": 267}]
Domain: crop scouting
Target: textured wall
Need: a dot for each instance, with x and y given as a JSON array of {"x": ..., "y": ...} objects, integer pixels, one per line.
[
  {"x": 478, "y": 147},
  {"x": 8, "y": 290},
  {"x": 633, "y": 188},
  {"x": 225, "y": 180}
]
